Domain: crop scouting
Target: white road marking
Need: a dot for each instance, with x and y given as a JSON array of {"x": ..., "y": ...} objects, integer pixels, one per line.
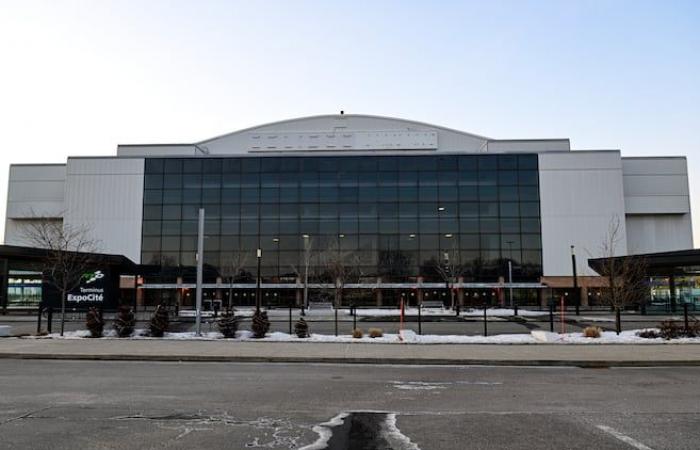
[{"x": 623, "y": 437}]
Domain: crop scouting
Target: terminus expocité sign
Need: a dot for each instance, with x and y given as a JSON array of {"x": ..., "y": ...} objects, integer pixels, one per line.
[
  {"x": 90, "y": 290},
  {"x": 95, "y": 289}
]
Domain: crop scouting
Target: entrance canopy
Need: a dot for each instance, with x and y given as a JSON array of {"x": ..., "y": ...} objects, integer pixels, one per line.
[
  {"x": 676, "y": 263},
  {"x": 23, "y": 279}
]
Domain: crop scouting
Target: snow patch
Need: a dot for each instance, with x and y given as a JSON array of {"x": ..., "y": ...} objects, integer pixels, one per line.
[
  {"x": 490, "y": 312},
  {"x": 324, "y": 432},
  {"x": 419, "y": 385},
  {"x": 394, "y": 436},
  {"x": 545, "y": 336},
  {"x": 470, "y": 312},
  {"x": 406, "y": 337},
  {"x": 388, "y": 431}
]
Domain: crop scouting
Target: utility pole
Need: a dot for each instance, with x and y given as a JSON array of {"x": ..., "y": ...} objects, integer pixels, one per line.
[{"x": 200, "y": 270}]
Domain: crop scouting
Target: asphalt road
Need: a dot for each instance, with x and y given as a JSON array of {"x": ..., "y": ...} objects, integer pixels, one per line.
[{"x": 134, "y": 405}]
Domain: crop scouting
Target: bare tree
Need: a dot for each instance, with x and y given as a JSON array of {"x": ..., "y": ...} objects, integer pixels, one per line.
[
  {"x": 341, "y": 267},
  {"x": 69, "y": 254},
  {"x": 303, "y": 272},
  {"x": 232, "y": 268},
  {"x": 626, "y": 276},
  {"x": 449, "y": 270}
]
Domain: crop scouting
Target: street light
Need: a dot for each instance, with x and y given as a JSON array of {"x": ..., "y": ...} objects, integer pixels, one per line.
[
  {"x": 200, "y": 272},
  {"x": 307, "y": 257},
  {"x": 257, "y": 287},
  {"x": 277, "y": 249},
  {"x": 577, "y": 299},
  {"x": 510, "y": 271}
]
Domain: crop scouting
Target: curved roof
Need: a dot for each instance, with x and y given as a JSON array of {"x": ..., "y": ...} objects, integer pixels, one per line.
[{"x": 308, "y": 123}]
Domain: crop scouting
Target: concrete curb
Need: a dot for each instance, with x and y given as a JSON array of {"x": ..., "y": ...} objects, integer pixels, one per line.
[{"x": 367, "y": 361}]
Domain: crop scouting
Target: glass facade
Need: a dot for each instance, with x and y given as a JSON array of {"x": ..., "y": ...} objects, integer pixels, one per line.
[
  {"x": 23, "y": 288},
  {"x": 398, "y": 215}
]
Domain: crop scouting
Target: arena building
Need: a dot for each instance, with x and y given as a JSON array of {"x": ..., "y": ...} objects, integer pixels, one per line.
[{"x": 412, "y": 211}]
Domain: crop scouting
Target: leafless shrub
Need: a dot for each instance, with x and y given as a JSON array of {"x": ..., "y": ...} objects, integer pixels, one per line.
[
  {"x": 375, "y": 332},
  {"x": 651, "y": 333},
  {"x": 592, "y": 332}
]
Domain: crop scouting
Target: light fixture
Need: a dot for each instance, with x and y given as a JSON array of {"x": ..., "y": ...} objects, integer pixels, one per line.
[
  {"x": 411, "y": 236},
  {"x": 305, "y": 236},
  {"x": 275, "y": 240},
  {"x": 441, "y": 208},
  {"x": 341, "y": 235},
  {"x": 448, "y": 235}
]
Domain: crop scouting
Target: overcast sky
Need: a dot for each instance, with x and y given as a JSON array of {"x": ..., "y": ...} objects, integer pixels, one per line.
[{"x": 78, "y": 78}]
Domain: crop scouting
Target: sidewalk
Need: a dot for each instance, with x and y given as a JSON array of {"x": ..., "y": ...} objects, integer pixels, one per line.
[{"x": 629, "y": 355}]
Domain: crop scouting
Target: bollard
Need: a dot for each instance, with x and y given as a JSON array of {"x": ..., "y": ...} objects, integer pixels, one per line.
[
  {"x": 486, "y": 331},
  {"x": 551, "y": 317},
  {"x": 685, "y": 317},
  {"x": 290, "y": 317},
  {"x": 49, "y": 320},
  {"x": 336, "y": 321},
  {"x": 38, "y": 321},
  {"x": 420, "y": 321},
  {"x": 354, "y": 322},
  {"x": 515, "y": 309}
]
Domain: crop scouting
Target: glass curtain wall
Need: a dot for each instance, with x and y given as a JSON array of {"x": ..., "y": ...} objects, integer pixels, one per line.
[{"x": 400, "y": 217}]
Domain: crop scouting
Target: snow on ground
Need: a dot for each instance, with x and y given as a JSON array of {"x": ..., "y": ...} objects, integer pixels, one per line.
[
  {"x": 407, "y": 337},
  {"x": 503, "y": 312},
  {"x": 491, "y": 312}
]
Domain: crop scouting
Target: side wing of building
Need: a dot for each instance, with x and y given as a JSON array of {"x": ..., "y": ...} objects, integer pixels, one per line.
[
  {"x": 35, "y": 191},
  {"x": 657, "y": 204}
]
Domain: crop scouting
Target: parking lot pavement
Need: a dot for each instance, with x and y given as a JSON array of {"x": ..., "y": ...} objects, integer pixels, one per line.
[{"x": 135, "y": 405}]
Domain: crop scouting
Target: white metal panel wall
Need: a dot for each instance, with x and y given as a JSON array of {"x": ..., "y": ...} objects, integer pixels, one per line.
[
  {"x": 34, "y": 190},
  {"x": 656, "y": 185},
  {"x": 528, "y": 146},
  {"x": 658, "y": 233},
  {"x": 106, "y": 195},
  {"x": 156, "y": 150},
  {"x": 657, "y": 202},
  {"x": 580, "y": 194}
]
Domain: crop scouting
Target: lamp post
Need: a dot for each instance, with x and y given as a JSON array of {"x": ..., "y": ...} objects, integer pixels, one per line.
[
  {"x": 577, "y": 299},
  {"x": 277, "y": 248},
  {"x": 446, "y": 255},
  {"x": 307, "y": 261},
  {"x": 200, "y": 270},
  {"x": 257, "y": 286},
  {"x": 510, "y": 271}
]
